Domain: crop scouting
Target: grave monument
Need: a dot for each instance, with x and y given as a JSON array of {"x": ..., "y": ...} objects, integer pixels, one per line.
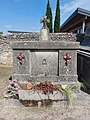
[{"x": 45, "y": 56}]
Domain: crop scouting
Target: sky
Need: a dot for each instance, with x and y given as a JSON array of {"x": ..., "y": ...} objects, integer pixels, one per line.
[{"x": 25, "y": 15}]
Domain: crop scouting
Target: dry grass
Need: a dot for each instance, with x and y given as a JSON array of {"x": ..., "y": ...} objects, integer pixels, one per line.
[{"x": 5, "y": 73}]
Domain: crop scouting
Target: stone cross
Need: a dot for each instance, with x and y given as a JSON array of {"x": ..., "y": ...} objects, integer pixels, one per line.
[{"x": 44, "y": 20}]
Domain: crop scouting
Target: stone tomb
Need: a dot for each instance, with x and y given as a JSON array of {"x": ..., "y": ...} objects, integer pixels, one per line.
[
  {"x": 50, "y": 58},
  {"x": 44, "y": 60}
]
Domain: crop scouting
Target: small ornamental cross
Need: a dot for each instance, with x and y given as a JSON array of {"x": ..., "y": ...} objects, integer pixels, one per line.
[
  {"x": 20, "y": 57},
  {"x": 44, "y": 20},
  {"x": 67, "y": 58}
]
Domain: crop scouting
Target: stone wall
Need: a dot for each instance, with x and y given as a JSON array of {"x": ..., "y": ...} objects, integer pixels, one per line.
[
  {"x": 6, "y": 54},
  {"x": 36, "y": 37}
]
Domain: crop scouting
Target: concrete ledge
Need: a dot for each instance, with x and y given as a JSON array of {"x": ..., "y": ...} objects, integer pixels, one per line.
[
  {"x": 83, "y": 53},
  {"x": 45, "y": 45},
  {"x": 62, "y": 78}
]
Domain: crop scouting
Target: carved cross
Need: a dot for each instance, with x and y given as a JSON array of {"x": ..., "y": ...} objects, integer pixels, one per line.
[
  {"x": 20, "y": 57},
  {"x": 67, "y": 58},
  {"x": 44, "y": 20}
]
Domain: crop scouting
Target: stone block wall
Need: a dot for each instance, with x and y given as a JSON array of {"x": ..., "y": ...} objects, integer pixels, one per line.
[
  {"x": 36, "y": 37},
  {"x": 6, "y": 54}
]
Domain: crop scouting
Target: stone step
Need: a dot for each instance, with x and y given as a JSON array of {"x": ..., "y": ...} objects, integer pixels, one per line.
[{"x": 38, "y": 96}]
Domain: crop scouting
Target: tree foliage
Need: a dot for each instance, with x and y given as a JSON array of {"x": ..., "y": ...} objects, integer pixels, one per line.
[
  {"x": 57, "y": 18},
  {"x": 49, "y": 16}
]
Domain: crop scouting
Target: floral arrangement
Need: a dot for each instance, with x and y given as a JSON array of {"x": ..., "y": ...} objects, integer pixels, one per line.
[
  {"x": 48, "y": 88},
  {"x": 45, "y": 88},
  {"x": 12, "y": 89}
]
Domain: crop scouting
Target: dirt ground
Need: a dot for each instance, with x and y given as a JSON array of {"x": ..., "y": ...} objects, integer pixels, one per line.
[
  {"x": 12, "y": 109},
  {"x": 5, "y": 74}
]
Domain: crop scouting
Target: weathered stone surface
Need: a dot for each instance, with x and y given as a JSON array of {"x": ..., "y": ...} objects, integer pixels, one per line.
[
  {"x": 33, "y": 36},
  {"x": 26, "y": 36},
  {"x": 45, "y": 45},
  {"x": 24, "y": 78},
  {"x": 44, "y": 63},
  {"x": 6, "y": 54},
  {"x": 38, "y": 96},
  {"x": 71, "y": 68},
  {"x": 44, "y": 59},
  {"x": 52, "y": 37},
  {"x": 62, "y": 37},
  {"x": 25, "y": 67},
  {"x": 44, "y": 34}
]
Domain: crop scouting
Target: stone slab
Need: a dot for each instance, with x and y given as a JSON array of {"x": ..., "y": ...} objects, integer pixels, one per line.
[
  {"x": 25, "y": 67},
  {"x": 84, "y": 48},
  {"x": 27, "y": 78},
  {"x": 38, "y": 96},
  {"x": 45, "y": 45},
  {"x": 71, "y": 67},
  {"x": 44, "y": 63}
]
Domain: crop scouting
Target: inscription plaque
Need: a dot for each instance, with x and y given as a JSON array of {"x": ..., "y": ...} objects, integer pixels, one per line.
[{"x": 44, "y": 63}]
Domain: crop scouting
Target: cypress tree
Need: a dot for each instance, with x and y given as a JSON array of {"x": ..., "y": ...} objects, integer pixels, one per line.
[
  {"x": 49, "y": 16},
  {"x": 57, "y": 18}
]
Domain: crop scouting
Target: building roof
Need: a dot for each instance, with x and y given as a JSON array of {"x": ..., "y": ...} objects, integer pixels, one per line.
[
  {"x": 18, "y": 31},
  {"x": 79, "y": 13}
]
